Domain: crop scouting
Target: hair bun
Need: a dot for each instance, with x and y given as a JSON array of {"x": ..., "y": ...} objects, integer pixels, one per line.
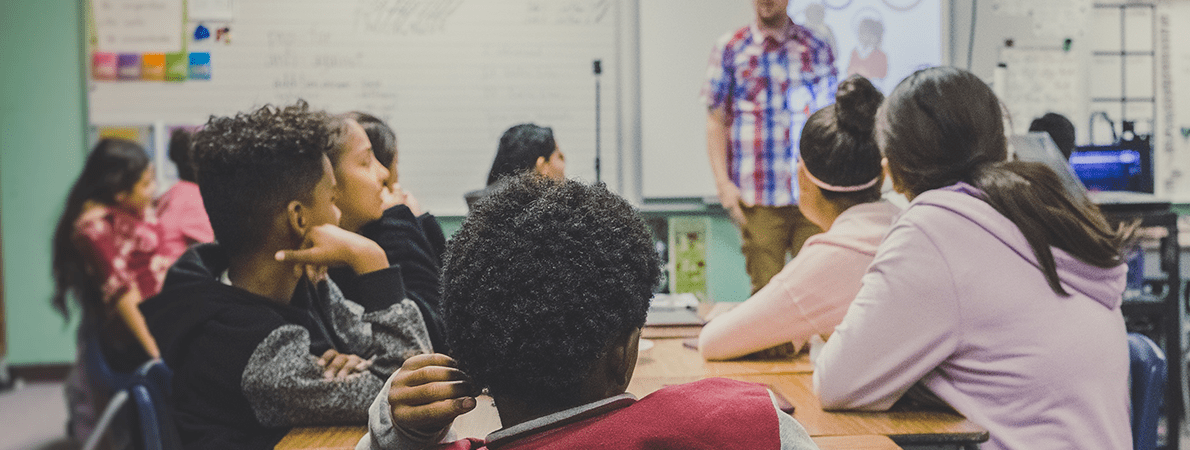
[{"x": 856, "y": 103}]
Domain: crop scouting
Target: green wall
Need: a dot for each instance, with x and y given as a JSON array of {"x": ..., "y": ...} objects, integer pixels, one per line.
[{"x": 41, "y": 150}]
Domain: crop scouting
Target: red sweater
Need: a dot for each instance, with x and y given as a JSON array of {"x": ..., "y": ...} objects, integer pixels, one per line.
[{"x": 714, "y": 413}]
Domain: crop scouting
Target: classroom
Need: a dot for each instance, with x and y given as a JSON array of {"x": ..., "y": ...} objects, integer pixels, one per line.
[{"x": 622, "y": 87}]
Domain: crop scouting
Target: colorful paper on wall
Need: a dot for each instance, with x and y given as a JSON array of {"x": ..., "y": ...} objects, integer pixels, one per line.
[
  {"x": 128, "y": 66},
  {"x": 153, "y": 67},
  {"x": 103, "y": 66},
  {"x": 200, "y": 66},
  {"x": 177, "y": 66}
]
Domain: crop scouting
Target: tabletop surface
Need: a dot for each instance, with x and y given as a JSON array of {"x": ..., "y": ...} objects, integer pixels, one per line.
[
  {"x": 345, "y": 438},
  {"x": 669, "y": 357},
  {"x": 670, "y": 362}
]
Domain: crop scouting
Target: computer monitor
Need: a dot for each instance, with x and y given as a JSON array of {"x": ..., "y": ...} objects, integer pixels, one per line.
[{"x": 1126, "y": 166}]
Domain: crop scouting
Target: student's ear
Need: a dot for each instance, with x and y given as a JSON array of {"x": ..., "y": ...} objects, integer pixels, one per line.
[
  {"x": 296, "y": 213},
  {"x": 539, "y": 167},
  {"x": 622, "y": 358}
]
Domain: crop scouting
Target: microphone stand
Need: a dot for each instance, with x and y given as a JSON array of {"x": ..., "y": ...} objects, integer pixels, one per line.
[{"x": 597, "y": 66}]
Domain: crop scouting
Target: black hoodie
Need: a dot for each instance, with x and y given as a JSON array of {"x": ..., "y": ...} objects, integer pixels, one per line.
[
  {"x": 415, "y": 244},
  {"x": 245, "y": 367}
]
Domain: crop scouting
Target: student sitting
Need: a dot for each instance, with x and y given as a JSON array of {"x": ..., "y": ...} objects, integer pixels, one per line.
[
  {"x": 840, "y": 177},
  {"x": 545, "y": 291},
  {"x": 107, "y": 255},
  {"x": 183, "y": 219},
  {"x": 413, "y": 241},
  {"x": 523, "y": 148},
  {"x": 241, "y": 321},
  {"x": 996, "y": 290}
]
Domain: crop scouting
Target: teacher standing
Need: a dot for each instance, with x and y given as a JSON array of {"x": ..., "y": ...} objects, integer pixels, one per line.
[{"x": 763, "y": 81}]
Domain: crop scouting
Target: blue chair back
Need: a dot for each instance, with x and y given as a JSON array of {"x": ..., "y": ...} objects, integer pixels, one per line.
[
  {"x": 148, "y": 391},
  {"x": 99, "y": 372},
  {"x": 1147, "y": 374},
  {"x": 151, "y": 393}
]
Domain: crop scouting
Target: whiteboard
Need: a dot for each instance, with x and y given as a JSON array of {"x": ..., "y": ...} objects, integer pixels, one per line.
[
  {"x": 676, "y": 39},
  {"x": 448, "y": 75}
]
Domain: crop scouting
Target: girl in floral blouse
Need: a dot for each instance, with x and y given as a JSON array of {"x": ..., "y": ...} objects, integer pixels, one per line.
[{"x": 106, "y": 255}]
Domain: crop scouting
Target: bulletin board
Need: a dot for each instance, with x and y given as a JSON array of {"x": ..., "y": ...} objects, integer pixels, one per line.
[{"x": 448, "y": 75}]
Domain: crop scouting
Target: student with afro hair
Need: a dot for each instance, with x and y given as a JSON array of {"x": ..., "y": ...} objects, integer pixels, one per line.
[{"x": 545, "y": 291}]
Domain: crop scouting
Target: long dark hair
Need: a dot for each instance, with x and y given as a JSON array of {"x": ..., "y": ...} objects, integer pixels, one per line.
[
  {"x": 837, "y": 144},
  {"x": 114, "y": 166},
  {"x": 520, "y": 146},
  {"x": 943, "y": 125}
]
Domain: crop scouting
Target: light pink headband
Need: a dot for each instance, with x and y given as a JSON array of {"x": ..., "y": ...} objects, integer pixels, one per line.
[{"x": 833, "y": 188}]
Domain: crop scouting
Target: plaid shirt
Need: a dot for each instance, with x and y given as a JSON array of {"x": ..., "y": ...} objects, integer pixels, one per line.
[{"x": 768, "y": 88}]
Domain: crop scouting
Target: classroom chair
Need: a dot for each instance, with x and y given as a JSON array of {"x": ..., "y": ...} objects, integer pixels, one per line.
[
  {"x": 139, "y": 402},
  {"x": 151, "y": 390},
  {"x": 102, "y": 377},
  {"x": 1147, "y": 379}
]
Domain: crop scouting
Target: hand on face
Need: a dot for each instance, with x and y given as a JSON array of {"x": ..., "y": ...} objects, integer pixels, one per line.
[
  {"x": 393, "y": 195},
  {"x": 327, "y": 245}
]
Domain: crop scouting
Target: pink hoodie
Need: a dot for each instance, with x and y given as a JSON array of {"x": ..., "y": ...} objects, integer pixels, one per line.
[
  {"x": 955, "y": 299},
  {"x": 810, "y": 295}
]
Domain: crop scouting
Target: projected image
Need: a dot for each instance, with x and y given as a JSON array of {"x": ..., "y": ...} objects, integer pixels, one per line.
[
  {"x": 883, "y": 40},
  {"x": 867, "y": 59}
]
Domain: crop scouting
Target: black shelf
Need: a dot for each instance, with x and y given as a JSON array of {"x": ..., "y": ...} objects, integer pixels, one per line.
[{"x": 1158, "y": 310}]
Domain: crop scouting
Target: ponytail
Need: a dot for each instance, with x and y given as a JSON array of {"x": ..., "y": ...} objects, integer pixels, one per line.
[
  {"x": 943, "y": 125},
  {"x": 1031, "y": 195}
]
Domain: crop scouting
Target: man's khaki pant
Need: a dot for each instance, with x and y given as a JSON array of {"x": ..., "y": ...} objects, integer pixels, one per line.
[{"x": 771, "y": 233}]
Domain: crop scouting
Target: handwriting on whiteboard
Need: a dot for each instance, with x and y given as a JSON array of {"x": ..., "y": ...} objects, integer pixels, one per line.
[
  {"x": 404, "y": 16},
  {"x": 138, "y": 26}
]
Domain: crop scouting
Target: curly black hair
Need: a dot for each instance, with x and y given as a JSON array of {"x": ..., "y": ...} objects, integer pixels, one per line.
[
  {"x": 540, "y": 279},
  {"x": 251, "y": 165}
]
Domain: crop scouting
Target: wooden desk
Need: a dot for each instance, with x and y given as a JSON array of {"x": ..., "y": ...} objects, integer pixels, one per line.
[
  {"x": 903, "y": 427},
  {"x": 669, "y": 358},
  {"x": 345, "y": 438},
  {"x": 671, "y": 363}
]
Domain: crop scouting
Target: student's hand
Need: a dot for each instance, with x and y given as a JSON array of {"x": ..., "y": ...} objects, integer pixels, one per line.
[
  {"x": 729, "y": 197},
  {"x": 413, "y": 204},
  {"x": 329, "y": 245},
  {"x": 429, "y": 392},
  {"x": 393, "y": 195},
  {"x": 338, "y": 366}
]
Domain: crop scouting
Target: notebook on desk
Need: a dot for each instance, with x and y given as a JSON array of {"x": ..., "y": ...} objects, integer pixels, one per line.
[
  {"x": 673, "y": 310},
  {"x": 673, "y": 316}
]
